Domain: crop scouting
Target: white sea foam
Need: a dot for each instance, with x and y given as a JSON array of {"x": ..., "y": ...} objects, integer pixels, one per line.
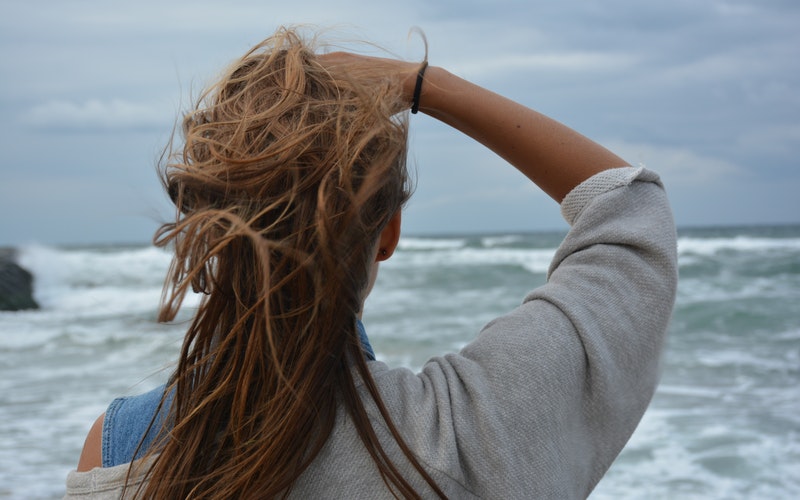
[
  {"x": 698, "y": 453},
  {"x": 533, "y": 260},
  {"x": 430, "y": 243},
  {"x": 90, "y": 283},
  {"x": 134, "y": 265},
  {"x": 729, "y": 287},
  {"x": 493, "y": 241},
  {"x": 711, "y": 246},
  {"x": 690, "y": 391},
  {"x": 741, "y": 359}
]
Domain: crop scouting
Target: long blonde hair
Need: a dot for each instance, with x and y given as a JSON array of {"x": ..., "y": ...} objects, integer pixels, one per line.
[{"x": 285, "y": 180}]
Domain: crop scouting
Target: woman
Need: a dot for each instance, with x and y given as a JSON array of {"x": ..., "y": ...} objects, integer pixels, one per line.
[{"x": 289, "y": 189}]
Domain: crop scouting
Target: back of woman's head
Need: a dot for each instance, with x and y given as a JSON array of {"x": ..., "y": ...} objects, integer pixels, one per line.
[
  {"x": 293, "y": 159},
  {"x": 287, "y": 175}
]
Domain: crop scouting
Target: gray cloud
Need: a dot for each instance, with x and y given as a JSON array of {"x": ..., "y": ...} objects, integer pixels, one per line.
[{"x": 94, "y": 115}]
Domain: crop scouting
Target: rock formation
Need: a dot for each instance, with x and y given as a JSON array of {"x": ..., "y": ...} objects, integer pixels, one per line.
[{"x": 16, "y": 284}]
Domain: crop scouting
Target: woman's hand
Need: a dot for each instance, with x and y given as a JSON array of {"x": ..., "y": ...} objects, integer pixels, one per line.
[{"x": 366, "y": 68}]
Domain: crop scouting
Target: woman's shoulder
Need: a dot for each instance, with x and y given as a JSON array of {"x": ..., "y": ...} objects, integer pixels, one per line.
[
  {"x": 131, "y": 424},
  {"x": 113, "y": 441},
  {"x": 125, "y": 431},
  {"x": 92, "y": 456}
]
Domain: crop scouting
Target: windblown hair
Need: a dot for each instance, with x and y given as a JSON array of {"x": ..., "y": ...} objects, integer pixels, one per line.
[{"x": 287, "y": 176}]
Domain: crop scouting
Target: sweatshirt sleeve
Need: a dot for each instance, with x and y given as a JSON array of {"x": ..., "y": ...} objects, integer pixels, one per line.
[{"x": 543, "y": 400}]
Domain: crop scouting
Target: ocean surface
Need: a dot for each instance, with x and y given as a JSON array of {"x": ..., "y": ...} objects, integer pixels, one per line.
[{"x": 724, "y": 424}]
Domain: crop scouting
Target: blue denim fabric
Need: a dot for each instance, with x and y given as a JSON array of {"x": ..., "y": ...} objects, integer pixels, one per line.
[
  {"x": 362, "y": 335},
  {"x": 125, "y": 423},
  {"x": 127, "y": 419}
]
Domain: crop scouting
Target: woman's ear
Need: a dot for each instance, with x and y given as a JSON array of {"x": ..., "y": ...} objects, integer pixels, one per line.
[{"x": 390, "y": 236}]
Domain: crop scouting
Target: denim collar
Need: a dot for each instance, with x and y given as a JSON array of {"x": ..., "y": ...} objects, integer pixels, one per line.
[{"x": 362, "y": 336}]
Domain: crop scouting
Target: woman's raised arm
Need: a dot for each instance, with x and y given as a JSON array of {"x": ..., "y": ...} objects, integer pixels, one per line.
[{"x": 550, "y": 154}]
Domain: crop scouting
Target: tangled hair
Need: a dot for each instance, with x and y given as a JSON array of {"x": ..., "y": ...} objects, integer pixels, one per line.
[{"x": 287, "y": 176}]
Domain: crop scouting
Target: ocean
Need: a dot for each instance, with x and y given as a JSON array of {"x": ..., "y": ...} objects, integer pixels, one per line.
[{"x": 724, "y": 423}]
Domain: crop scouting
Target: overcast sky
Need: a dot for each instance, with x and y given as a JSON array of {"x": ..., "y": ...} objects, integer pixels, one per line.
[{"x": 706, "y": 92}]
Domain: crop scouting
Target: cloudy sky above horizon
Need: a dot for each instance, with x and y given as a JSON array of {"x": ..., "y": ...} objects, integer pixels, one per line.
[{"x": 706, "y": 92}]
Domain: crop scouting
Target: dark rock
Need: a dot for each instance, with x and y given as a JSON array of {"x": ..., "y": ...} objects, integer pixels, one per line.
[{"x": 16, "y": 284}]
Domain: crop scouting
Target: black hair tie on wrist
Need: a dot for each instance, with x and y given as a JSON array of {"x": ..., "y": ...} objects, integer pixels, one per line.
[{"x": 418, "y": 88}]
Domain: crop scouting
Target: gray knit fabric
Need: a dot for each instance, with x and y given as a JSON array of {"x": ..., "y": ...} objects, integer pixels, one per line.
[{"x": 545, "y": 397}]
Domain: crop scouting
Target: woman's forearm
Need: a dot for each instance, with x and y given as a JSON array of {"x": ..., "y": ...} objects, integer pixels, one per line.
[{"x": 550, "y": 154}]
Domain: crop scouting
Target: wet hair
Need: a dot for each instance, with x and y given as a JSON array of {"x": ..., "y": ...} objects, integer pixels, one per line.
[{"x": 286, "y": 177}]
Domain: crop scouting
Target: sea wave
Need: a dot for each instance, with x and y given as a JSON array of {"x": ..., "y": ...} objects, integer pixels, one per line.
[
  {"x": 92, "y": 282},
  {"x": 431, "y": 243},
  {"x": 712, "y": 246},
  {"x": 723, "y": 424},
  {"x": 505, "y": 240},
  {"x": 534, "y": 261},
  {"x": 96, "y": 266}
]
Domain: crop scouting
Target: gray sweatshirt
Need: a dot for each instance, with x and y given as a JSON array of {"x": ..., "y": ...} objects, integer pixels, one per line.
[{"x": 545, "y": 397}]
